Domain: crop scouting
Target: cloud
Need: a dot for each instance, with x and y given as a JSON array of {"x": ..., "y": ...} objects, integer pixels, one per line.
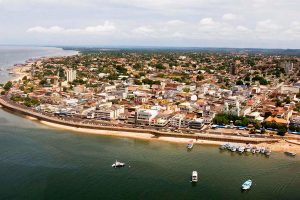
[
  {"x": 242, "y": 28},
  {"x": 195, "y": 22},
  {"x": 229, "y": 16},
  {"x": 267, "y": 25},
  {"x": 107, "y": 27},
  {"x": 175, "y": 22},
  {"x": 40, "y": 29},
  {"x": 208, "y": 22},
  {"x": 143, "y": 30}
]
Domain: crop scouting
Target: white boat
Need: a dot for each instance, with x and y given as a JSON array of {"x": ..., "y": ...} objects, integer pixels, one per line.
[
  {"x": 190, "y": 144},
  {"x": 257, "y": 150},
  {"x": 253, "y": 150},
  {"x": 248, "y": 149},
  {"x": 247, "y": 185},
  {"x": 290, "y": 153},
  {"x": 241, "y": 149},
  {"x": 223, "y": 146},
  {"x": 233, "y": 149},
  {"x": 194, "y": 177},
  {"x": 268, "y": 152},
  {"x": 118, "y": 164}
]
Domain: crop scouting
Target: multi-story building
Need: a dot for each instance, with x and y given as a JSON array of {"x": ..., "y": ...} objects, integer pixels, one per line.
[
  {"x": 106, "y": 113},
  {"x": 71, "y": 75},
  {"x": 177, "y": 120},
  {"x": 145, "y": 116}
]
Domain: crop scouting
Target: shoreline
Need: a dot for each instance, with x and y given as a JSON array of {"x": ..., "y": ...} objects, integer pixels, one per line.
[
  {"x": 20, "y": 70},
  {"x": 131, "y": 135},
  {"x": 280, "y": 146}
]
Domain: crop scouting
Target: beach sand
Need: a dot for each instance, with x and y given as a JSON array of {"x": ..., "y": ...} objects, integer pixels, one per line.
[
  {"x": 280, "y": 146},
  {"x": 20, "y": 72}
]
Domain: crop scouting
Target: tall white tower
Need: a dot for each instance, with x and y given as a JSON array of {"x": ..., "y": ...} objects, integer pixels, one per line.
[{"x": 71, "y": 75}]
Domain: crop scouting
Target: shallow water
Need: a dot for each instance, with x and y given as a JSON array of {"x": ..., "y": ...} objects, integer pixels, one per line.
[
  {"x": 10, "y": 55},
  {"x": 37, "y": 162}
]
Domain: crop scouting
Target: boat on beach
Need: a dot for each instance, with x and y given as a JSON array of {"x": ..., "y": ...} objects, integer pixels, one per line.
[
  {"x": 118, "y": 164},
  {"x": 247, "y": 185},
  {"x": 194, "y": 177}
]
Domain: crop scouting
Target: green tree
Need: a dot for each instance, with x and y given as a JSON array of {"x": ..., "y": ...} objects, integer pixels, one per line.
[
  {"x": 8, "y": 85},
  {"x": 200, "y": 77},
  {"x": 186, "y": 90},
  {"x": 239, "y": 82}
]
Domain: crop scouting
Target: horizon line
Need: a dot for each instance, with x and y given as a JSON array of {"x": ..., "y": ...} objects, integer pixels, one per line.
[{"x": 144, "y": 46}]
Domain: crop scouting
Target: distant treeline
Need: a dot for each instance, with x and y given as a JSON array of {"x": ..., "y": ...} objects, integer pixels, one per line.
[{"x": 289, "y": 52}]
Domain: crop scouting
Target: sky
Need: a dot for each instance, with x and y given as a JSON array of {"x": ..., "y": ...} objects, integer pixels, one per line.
[{"x": 178, "y": 23}]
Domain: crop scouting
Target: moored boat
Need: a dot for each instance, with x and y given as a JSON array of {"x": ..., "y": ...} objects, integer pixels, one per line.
[
  {"x": 268, "y": 152},
  {"x": 118, "y": 164},
  {"x": 247, "y": 185},
  {"x": 190, "y": 144},
  {"x": 241, "y": 149},
  {"x": 194, "y": 178},
  {"x": 290, "y": 153}
]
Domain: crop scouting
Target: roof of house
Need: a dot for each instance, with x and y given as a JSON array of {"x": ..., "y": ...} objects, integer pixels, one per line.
[{"x": 276, "y": 120}]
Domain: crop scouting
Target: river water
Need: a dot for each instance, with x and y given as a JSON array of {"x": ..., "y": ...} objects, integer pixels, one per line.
[
  {"x": 39, "y": 162},
  {"x": 10, "y": 55}
]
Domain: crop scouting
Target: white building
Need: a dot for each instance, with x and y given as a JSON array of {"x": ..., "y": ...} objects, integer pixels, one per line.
[
  {"x": 145, "y": 116},
  {"x": 106, "y": 113},
  {"x": 177, "y": 120},
  {"x": 71, "y": 75}
]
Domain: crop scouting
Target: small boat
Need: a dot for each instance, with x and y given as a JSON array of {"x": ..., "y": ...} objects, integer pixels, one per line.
[
  {"x": 233, "y": 149},
  {"x": 118, "y": 164},
  {"x": 290, "y": 153},
  {"x": 268, "y": 152},
  {"x": 248, "y": 149},
  {"x": 241, "y": 149},
  {"x": 190, "y": 144},
  {"x": 222, "y": 147},
  {"x": 194, "y": 177},
  {"x": 257, "y": 150},
  {"x": 247, "y": 185}
]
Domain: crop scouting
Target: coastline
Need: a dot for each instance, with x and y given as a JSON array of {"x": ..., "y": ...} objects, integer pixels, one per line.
[
  {"x": 280, "y": 146},
  {"x": 22, "y": 70},
  {"x": 276, "y": 146}
]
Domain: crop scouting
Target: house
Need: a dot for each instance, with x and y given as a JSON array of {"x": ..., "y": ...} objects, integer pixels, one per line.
[{"x": 276, "y": 120}]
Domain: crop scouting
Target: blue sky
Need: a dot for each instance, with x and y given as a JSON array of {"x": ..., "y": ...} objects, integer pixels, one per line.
[{"x": 196, "y": 23}]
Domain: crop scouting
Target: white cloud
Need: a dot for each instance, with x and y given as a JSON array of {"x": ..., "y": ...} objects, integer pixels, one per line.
[
  {"x": 242, "y": 28},
  {"x": 107, "y": 27},
  {"x": 208, "y": 22},
  {"x": 229, "y": 16},
  {"x": 267, "y": 25},
  {"x": 199, "y": 22},
  {"x": 143, "y": 30},
  {"x": 175, "y": 22},
  {"x": 40, "y": 29}
]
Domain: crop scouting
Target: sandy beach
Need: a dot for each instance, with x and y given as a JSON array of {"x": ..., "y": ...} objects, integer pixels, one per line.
[
  {"x": 19, "y": 72},
  {"x": 281, "y": 146}
]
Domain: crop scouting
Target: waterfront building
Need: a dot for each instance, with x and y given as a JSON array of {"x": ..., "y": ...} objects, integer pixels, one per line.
[{"x": 145, "y": 116}]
